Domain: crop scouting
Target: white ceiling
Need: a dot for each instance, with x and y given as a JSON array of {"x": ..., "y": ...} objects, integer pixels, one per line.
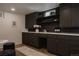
[{"x": 25, "y": 8}]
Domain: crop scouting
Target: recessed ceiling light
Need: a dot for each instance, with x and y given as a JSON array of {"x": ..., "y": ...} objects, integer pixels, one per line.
[{"x": 12, "y": 9}]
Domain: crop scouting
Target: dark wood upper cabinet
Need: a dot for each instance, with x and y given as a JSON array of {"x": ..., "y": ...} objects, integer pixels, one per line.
[
  {"x": 75, "y": 16},
  {"x": 30, "y": 19},
  {"x": 69, "y": 15},
  {"x": 65, "y": 16},
  {"x": 44, "y": 18}
]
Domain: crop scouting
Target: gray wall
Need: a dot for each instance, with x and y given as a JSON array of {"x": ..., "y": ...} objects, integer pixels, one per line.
[{"x": 10, "y": 32}]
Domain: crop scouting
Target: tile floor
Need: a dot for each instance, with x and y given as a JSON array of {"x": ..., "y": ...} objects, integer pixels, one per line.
[{"x": 31, "y": 51}]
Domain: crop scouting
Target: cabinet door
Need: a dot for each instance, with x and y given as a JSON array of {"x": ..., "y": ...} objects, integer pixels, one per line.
[
  {"x": 62, "y": 47},
  {"x": 27, "y": 21},
  {"x": 51, "y": 45},
  {"x": 36, "y": 42},
  {"x": 65, "y": 16},
  {"x": 75, "y": 16},
  {"x": 26, "y": 39},
  {"x": 33, "y": 40},
  {"x": 31, "y": 19},
  {"x": 74, "y": 45}
]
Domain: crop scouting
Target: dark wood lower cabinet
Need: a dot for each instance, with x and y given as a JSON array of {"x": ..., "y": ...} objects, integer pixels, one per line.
[
  {"x": 74, "y": 45},
  {"x": 62, "y": 47},
  {"x": 51, "y": 45},
  {"x": 65, "y": 46},
  {"x": 34, "y": 40},
  {"x": 57, "y": 44}
]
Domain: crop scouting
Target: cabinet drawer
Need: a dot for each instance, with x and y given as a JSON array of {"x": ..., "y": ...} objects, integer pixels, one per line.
[
  {"x": 51, "y": 36},
  {"x": 60, "y": 36},
  {"x": 63, "y": 37}
]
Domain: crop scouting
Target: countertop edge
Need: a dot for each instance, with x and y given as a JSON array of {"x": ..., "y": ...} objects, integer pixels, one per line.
[{"x": 52, "y": 33}]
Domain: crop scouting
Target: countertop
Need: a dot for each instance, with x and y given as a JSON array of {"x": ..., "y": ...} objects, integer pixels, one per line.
[{"x": 52, "y": 33}]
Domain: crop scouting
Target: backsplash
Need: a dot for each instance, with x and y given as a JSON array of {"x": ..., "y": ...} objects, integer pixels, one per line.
[{"x": 50, "y": 27}]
